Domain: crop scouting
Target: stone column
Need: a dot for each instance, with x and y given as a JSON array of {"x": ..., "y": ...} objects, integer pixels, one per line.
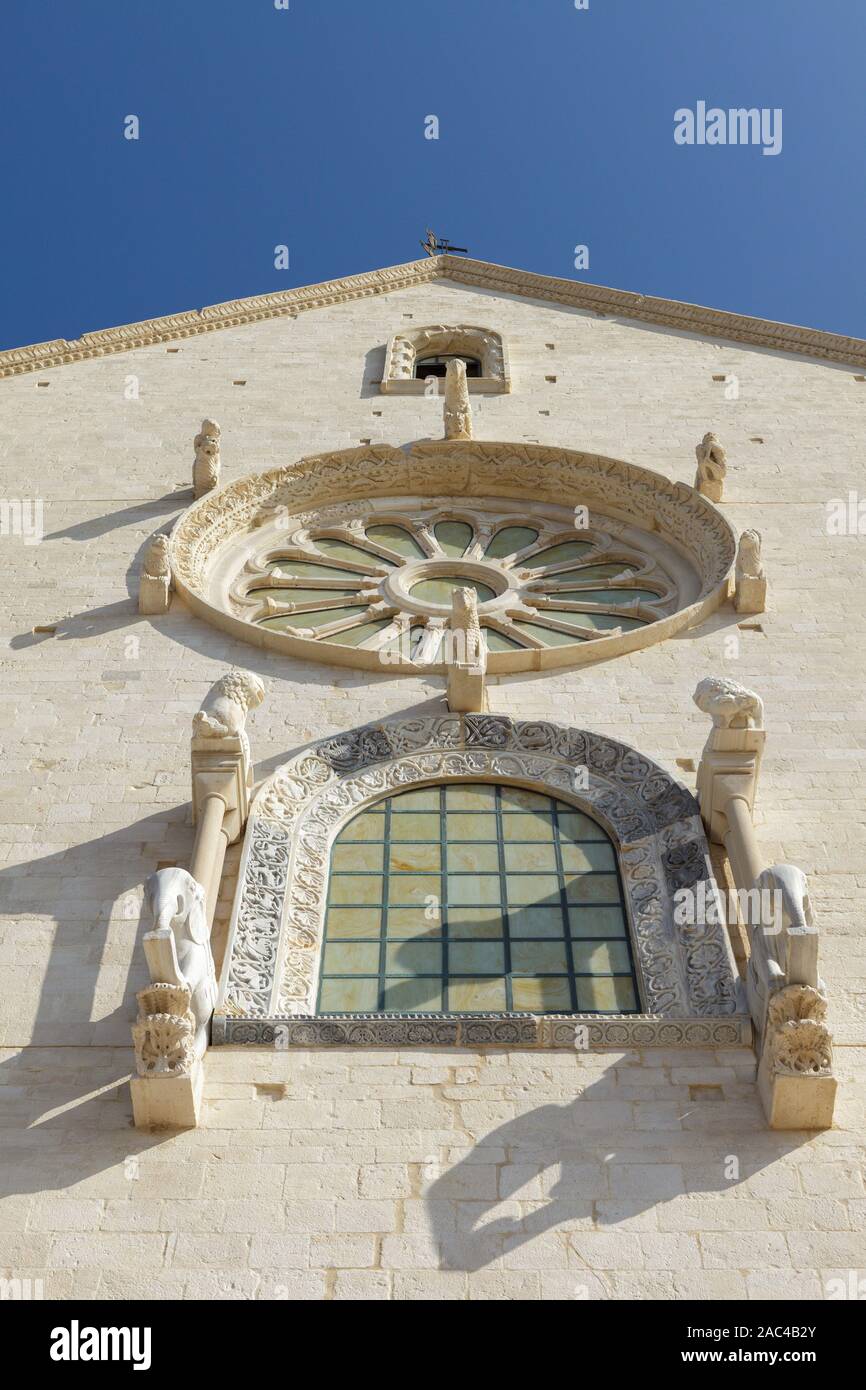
[
  {"x": 786, "y": 997},
  {"x": 171, "y": 1032}
]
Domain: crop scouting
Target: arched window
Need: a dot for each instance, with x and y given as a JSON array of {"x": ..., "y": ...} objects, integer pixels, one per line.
[
  {"x": 475, "y": 898},
  {"x": 436, "y": 366}
]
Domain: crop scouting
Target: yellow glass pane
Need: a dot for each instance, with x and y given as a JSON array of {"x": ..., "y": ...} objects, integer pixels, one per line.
[
  {"x": 527, "y": 827},
  {"x": 369, "y": 826},
  {"x": 521, "y": 799},
  {"x": 476, "y": 996},
  {"x": 592, "y": 888},
  {"x": 414, "y": 958},
  {"x": 481, "y": 858},
  {"x": 413, "y": 996},
  {"x": 535, "y": 921},
  {"x": 476, "y": 958},
  {"x": 573, "y": 825},
  {"x": 584, "y": 858},
  {"x": 470, "y": 826},
  {"x": 367, "y": 856},
  {"x": 539, "y": 957},
  {"x": 474, "y": 797},
  {"x": 541, "y": 995},
  {"x": 542, "y": 889},
  {"x": 530, "y": 857},
  {"x": 475, "y": 922},
  {"x": 415, "y": 921},
  {"x": 351, "y": 958},
  {"x": 473, "y": 889},
  {"x": 605, "y": 992},
  {"x": 360, "y": 889},
  {"x": 596, "y": 921},
  {"x": 415, "y": 825},
  {"x": 349, "y": 996},
  {"x": 354, "y": 921},
  {"x": 405, "y": 857},
  {"x": 415, "y": 890},
  {"x": 424, "y": 799},
  {"x": 600, "y": 957}
]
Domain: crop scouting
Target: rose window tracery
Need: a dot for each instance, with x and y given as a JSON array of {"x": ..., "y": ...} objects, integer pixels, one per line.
[{"x": 384, "y": 581}]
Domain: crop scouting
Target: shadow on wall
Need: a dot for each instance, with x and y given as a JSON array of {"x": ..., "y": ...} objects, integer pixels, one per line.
[{"x": 592, "y": 1162}]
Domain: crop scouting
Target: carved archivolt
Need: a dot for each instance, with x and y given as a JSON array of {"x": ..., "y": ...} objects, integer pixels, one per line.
[
  {"x": 271, "y": 970},
  {"x": 407, "y": 347},
  {"x": 674, "y": 542}
]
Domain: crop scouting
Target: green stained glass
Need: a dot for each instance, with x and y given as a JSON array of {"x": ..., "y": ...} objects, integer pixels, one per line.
[
  {"x": 548, "y": 635},
  {"x": 354, "y": 636},
  {"x": 344, "y": 550},
  {"x": 499, "y": 642},
  {"x": 293, "y": 595},
  {"x": 309, "y": 569},
  {"x": 556, "y": 554},
  {"x": 509, "y": 540},
  {"x": 587, "y": 573},
  {"x": 599, "y": 622},
  {"x": 317, "y": 617},
  {"x": 398, "y": 539},
  {"x": 475, "y": 898},
  {"x": 441, "y": 589},
  {"x": 619, "y": 596},
  {"x": 453, "y": 536}
]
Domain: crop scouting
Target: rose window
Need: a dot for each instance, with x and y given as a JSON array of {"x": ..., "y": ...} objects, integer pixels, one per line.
[
  {"x": 353, "y": 557},
  {"x": 383, "y": 582}
]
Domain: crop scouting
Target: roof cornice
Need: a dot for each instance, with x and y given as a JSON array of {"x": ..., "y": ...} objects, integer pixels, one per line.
[{"x": 665, "y": 313}]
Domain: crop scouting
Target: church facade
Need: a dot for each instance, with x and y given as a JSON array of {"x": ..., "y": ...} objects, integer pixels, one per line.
[{"x": 433, "y": 834}]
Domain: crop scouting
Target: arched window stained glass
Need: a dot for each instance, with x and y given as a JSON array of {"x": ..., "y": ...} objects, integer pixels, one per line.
[{"x": 475, "y": 898}]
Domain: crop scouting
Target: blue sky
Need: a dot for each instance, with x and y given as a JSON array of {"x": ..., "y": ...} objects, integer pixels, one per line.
[{"x": 305, "y": 127}]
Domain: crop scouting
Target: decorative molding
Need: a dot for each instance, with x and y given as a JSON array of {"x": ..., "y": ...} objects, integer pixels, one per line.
[
  {"x": 621, "y": 1032},
  {"x": 597, "y": 299},
  {"x": 212, "y": 538},
  {"x": 272, "y": 959}
]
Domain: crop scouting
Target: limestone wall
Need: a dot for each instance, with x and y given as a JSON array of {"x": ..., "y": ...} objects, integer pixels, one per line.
[{"x": 336, "y": 1174}]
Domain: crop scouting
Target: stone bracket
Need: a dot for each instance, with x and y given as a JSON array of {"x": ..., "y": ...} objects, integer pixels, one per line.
[
  {"x": 729, "y": 766},
  {"x": 221, "y": 767}
]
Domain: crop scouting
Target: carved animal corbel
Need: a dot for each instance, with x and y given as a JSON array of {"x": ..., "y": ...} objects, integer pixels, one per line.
[
  {"x": 154, "y": 587},
  {"x": 750, "y": 581},
  {"x": 730, "y": 705},
  {"x": 712, "y": 467},
  {"x": 206, "y": 468}
]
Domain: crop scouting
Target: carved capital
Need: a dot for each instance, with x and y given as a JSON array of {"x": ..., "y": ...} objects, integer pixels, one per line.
[{"x": 163, "y": 1035}]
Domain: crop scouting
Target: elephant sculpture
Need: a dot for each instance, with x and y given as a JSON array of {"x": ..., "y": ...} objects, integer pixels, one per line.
[{"x": 178, "y": 948}]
